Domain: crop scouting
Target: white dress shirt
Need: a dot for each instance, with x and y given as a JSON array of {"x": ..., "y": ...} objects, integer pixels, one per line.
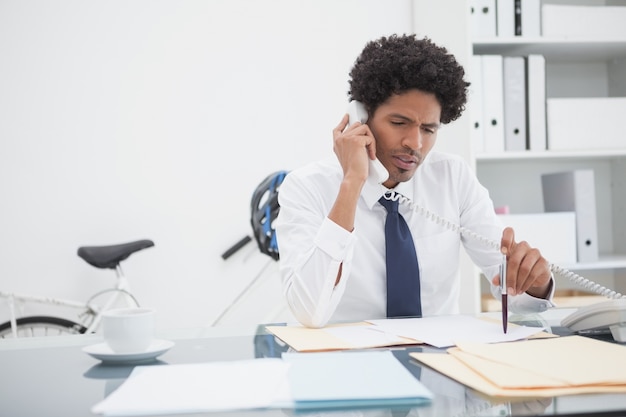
[{"x": 312, "y": 247}]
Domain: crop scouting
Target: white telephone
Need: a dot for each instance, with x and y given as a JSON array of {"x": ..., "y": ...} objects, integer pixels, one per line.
[
  {"x": 357, "y": 113},
  {"x": 610, "y": 314}
]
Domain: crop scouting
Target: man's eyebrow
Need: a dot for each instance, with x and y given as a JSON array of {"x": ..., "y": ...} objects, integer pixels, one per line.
[
  {"x": 433, "y": 125},
  {"x": 401, "y": 116}
]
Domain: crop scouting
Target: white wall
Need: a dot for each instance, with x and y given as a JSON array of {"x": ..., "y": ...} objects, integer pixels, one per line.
[{"x": 122, "y": 120}]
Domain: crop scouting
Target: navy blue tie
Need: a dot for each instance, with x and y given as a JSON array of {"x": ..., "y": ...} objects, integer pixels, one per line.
[{"x": 403, "y": 276}]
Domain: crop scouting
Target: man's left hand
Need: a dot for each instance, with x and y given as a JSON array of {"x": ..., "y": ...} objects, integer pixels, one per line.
[{"x": 527, "y": 270}]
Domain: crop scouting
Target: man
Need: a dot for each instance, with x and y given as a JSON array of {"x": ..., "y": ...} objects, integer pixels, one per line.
[{"x": 331, "y": 225}]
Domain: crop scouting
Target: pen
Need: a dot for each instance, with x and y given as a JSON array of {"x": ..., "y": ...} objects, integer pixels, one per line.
[{"x": 505, "y": 309}]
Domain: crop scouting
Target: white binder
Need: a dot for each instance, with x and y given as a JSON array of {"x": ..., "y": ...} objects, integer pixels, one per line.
[
  {"x": 483, "y": 18},
  {"x": 600, "y": 22},
  {"x": 514, "y": 68},
  {"x": 531, "y": 18},
  {"x": 575, "y": 191},
  {"x": 476, "y": 104},
  {"x": 517, "y": 8},
  {"x": 505, "y": 17},
  {"x": 565, "y": 113},
  {"x": 536, "y": 101},
  {"x": 493, "y": 103}
]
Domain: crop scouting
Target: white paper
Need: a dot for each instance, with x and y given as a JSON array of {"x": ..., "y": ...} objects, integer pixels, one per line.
[
  {"x": 188, "y": 388},
  {"x": 444, "y": 331}
]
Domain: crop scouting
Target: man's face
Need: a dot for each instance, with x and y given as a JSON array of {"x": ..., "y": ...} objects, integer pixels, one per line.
[{"x": 405, "y": 128}]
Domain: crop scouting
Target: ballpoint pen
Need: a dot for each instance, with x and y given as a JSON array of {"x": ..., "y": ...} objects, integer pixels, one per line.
[{"x": 503, "y": 291}]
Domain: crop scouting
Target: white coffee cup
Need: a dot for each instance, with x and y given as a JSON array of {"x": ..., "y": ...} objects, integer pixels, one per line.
[{"x": 128, "y": 330}]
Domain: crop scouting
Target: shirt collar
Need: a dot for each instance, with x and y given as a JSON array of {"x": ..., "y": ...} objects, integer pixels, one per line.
[{"x": 372, "y": 192}]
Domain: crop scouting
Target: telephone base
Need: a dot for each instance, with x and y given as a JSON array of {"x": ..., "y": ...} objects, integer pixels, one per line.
[
  {"x": 609, "y": 315},
  {"x": 619, "y": 332}
]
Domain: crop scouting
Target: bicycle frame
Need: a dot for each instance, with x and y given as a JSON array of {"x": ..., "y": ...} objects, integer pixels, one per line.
[
  {"x": 91, "y": 310},
  {"x": 13, "y": 297}
]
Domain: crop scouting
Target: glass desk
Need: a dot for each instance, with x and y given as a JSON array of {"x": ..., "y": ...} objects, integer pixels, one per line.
[{"x": 53, "y": 377}]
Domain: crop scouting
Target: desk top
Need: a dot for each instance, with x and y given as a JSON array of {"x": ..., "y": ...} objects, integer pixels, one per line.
[{"x": 54, "y": 377}]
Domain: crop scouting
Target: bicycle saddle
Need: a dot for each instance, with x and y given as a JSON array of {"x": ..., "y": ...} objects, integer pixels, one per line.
[{"x": 111, "y": 255}]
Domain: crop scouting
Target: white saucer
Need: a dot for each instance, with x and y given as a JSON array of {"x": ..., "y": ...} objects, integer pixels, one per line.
[{"x": 103, "y": 352}]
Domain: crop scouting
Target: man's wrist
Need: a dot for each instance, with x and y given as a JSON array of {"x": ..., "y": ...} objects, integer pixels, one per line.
[{"x": 541, "y": 292}]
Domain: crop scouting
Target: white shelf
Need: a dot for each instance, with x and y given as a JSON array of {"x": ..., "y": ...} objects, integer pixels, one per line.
[
  {"x": 554, "y": 49},
  {"x": 575, "y": 67},
  {"x": 605, "y": 262},
  {"x": 603, "y": 154}
]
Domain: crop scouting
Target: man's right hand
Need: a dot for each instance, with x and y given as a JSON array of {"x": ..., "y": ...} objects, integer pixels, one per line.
[{"x": 349, "y": 144}]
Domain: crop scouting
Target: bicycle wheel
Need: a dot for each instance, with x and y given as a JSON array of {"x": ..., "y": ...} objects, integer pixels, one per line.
[{"x": 41, "y": 326}]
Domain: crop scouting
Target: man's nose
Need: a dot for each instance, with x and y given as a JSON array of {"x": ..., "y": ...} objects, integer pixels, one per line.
[{"x": 414, "y": 139}]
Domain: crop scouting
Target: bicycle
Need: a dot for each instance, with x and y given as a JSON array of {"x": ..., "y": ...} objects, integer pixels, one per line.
[{"x": 104, "y": 257}]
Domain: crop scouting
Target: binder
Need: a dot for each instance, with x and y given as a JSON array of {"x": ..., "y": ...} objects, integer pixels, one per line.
[
  {"x": 536, "y": 100},
  {"x": 575, "y": 191},
  {"x": 514, "y": 72},
  {"x": 483, "y": 18},
  {"x": 601, "y": 22},
  {"x": 505, "y": 18},
  {"x": 565, "y": 113},
  {"x": 517, "y": 9},
  {"x": 531, "y": 18},
  {"x": 493, "y": 103},
  {"x": 476, "y": 104}
]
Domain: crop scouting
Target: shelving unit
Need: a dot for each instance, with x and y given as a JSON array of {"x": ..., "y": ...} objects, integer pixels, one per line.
[
  {"x": 574, "y": 68},
  {"x": 554, "y": 49},
  {"x": 555, "y": 155}
]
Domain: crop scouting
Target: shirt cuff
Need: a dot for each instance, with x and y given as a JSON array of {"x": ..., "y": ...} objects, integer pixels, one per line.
[{"x": 526, "y": 303}]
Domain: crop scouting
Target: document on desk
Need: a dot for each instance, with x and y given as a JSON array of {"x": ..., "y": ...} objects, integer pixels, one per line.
[
  {"x": 359, "y": 335},
  {"x": 438, "y": 331},
  {"x": 538, "y": 368},
  {"x": 195, "y": 388},
  {"x": 322, "y": 380},
  {"x": 448, "y": 330}
]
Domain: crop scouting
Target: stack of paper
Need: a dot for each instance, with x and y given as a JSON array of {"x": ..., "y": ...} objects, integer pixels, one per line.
[
  {"x": 438, "y": 331},
  {"x": 328, "y": 380},
  {"x": 535, "y": 368},
  {"x": 195, "y": 388}
]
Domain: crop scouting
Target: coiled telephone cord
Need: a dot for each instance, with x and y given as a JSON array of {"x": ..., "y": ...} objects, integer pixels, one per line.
[{"x": 555, "y": 269}]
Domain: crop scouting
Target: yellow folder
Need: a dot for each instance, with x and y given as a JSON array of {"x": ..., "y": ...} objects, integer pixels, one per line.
[
  {"x": 304, "y": 339},
  {"x": 535, "y": 368}
]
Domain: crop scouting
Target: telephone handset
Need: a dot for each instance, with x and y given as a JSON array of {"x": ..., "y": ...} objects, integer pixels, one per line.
[
  {"x": 357, "y": 113},
  {"x": 610, "y": 314}
]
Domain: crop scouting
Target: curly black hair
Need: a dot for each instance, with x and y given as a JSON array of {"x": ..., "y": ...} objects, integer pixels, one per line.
[{"x": 395, "y": 64}]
